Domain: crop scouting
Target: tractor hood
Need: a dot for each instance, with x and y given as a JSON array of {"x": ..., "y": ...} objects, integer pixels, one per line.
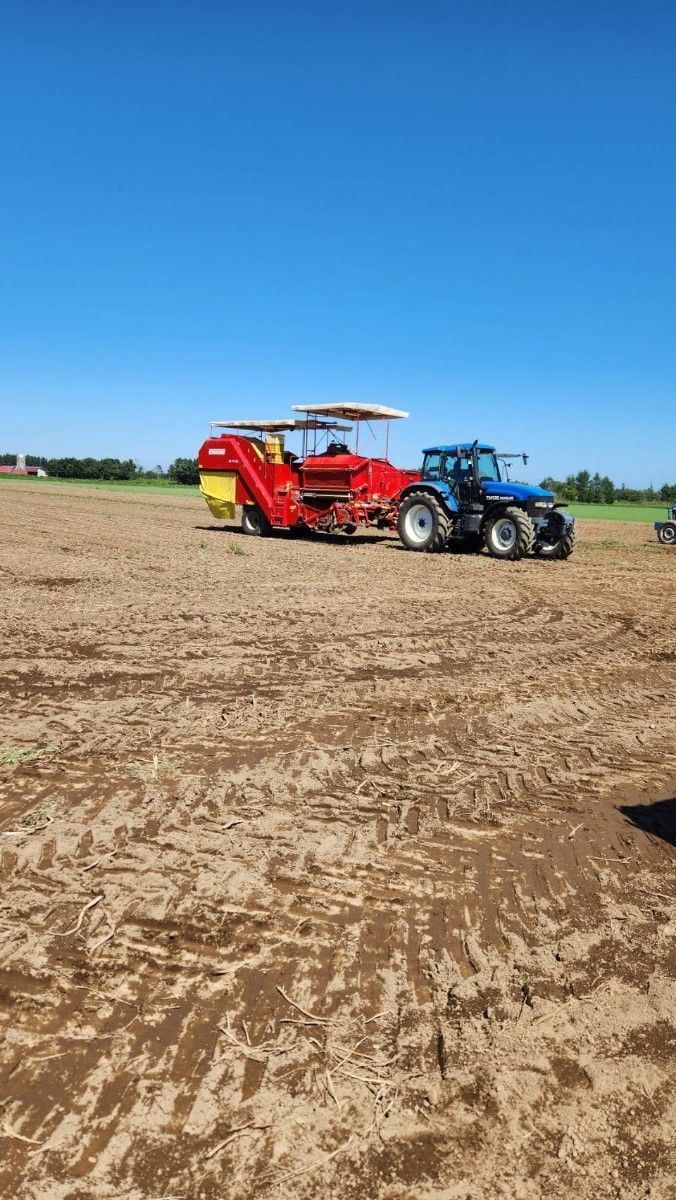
[{"x": 516, "y": 491}]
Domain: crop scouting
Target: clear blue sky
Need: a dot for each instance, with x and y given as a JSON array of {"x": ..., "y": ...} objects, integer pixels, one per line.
[{"x": 221, "y": 209}]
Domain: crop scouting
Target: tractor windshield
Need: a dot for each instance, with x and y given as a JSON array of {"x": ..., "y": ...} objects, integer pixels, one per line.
[{"x": 488, "y": 466}]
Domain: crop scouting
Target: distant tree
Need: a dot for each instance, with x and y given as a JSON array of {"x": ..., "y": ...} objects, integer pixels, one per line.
[
  {"x": 78, "y": 468},
  {"x": 582, "y": 485},
  {"x": 595, "y": 489},
  {"x": 607, "y": 490},
  {"x": 598, "y": 489},
  {"x": 184, "y": 470},
  {"x": 156, "y": 472}
]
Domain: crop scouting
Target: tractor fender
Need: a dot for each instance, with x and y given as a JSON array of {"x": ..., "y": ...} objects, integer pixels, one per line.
[
  {"x": 498, "y": 505},
  {"x": 439, "y": 489}
]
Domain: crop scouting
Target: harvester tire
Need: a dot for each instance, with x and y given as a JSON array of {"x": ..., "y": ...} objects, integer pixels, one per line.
[
  {"x": 350, "y": 529},
  {"x": 563, "y": 548},
  {"x": 667, "y": 534},
  {"x": 254, "y": 523},
  {"x": 423, "y": 523},
  {"x": 509, "y": 534}
]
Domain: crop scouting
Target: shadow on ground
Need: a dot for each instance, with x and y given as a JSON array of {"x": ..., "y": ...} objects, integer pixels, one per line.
[
  {"x": 333, "y": 539},
  {"x": 658, "y": 818}
]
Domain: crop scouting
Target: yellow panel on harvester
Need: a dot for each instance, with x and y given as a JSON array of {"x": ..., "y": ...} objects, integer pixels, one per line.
[
  {"x": 274, "y": 448},
  {"x": 218, "y": 489}
]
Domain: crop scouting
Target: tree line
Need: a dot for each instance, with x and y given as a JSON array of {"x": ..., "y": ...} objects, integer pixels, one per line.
[
  {"x": 182, "y": 470},
  {"x": 583, "y": 487},
  {"x": 599, "y": 489}
]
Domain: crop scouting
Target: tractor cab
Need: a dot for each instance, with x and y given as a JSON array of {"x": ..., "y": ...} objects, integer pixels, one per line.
[
  {"x": 467, "y": 462},
  {"x": 466, "y": 468}
]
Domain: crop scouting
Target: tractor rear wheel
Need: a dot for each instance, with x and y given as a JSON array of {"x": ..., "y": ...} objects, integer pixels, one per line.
[
  {"x": 254, "y": 523},
  {"x": 423, "y": 523},
  {"x": 509, "y": 534},
  {"x": 667, "y": 534},
  {"x": 562, "y": 548}
]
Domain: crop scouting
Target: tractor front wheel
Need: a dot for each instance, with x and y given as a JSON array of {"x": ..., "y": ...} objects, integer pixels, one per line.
[
  {"x": 562, "y": 548},
  {"x": 254, "y": 523},
  {"x": 667, "y": 534},
  {"x": 509, "y": 534},
  {"x": 423, "y": 523}
]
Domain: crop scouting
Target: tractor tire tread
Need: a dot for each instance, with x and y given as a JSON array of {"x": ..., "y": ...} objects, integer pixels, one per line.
[
  {"x": 443, "y": 521},
  {"x": 562, "y": 549},
  {"x": 525, "y": 532}
]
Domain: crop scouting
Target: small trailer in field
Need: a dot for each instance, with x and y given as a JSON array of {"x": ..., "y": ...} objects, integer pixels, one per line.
[
  {"x": 327, "y": 487},
  {"x": 666, "y": 530}
]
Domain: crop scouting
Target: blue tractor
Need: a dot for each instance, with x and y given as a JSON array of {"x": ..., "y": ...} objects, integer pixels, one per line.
[
  {"x": 666, "y": 530},
  {"x": 466, "y": 500}
]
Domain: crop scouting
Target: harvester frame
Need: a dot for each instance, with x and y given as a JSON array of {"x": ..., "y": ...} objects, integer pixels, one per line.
[{"x": 330, "y": 489}]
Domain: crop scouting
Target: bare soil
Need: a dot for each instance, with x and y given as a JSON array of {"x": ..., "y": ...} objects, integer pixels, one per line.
[{"x": 334, "y": 870}]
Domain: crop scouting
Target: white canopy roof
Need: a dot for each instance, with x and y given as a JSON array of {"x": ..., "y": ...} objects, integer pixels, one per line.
[
  {"x": 354, "y": 411},
  {"x": 287, "y": 424}
]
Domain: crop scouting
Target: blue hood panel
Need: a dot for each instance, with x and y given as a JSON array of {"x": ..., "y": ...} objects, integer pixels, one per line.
[{"x": 517, "y": 491}]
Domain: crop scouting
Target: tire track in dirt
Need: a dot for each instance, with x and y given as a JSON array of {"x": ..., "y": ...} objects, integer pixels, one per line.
[{"x": 361, "y": 863}]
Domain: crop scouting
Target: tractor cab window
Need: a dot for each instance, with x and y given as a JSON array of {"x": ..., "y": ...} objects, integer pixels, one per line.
[
  {"x": 488, "y": 467},
  {"x": 457, "y": 472},
  {"x": 457, "y": 468},
  {"x": 432, "y": 465}
]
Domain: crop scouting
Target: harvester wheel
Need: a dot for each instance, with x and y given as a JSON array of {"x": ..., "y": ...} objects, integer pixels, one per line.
[
  {"x": 562, "y": 548},
  {"x": 253, "y": 521},
  {"x": 349, "y": 529},
  {"x": 509, "y": 534},
  {"x": 423, "y": 523},
  {"x": 667, "y": 534}
]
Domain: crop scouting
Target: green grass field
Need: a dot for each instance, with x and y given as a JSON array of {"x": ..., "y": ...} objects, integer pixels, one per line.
[
  {"x": 646, "y": 513},
  {"x": 619, "y": 512},
  {"x": 166, "y": 487}
]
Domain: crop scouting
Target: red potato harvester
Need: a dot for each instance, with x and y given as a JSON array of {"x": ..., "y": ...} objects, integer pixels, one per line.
[{"x": 328, "y": 488}]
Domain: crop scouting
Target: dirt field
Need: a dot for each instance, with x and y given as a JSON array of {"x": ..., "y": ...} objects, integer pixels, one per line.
[{"x": 343, "y": 872}]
